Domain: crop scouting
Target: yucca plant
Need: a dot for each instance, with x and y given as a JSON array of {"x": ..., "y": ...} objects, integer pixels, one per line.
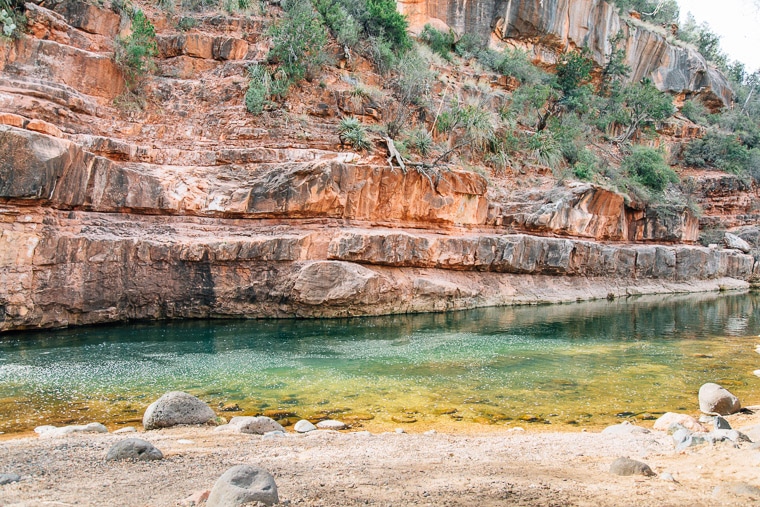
[{"x": 352, "y": 132}]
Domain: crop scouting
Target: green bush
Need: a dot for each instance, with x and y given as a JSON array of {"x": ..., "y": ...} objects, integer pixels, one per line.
[
  {"x": 12, "y": 18},
  {"x": 420, "y": 141},
  {"x": 384, "y": 20},
  {"x": 647, "y": 166},
  {"x": 718, "y": 150},
  {"x": 544, "y": 148},
  {"x": 298, "y": 41},
  {"x": 695, "y": 111},
  {"x": 259, "y": 89},
  {"x": 341, "y": 23},
  {"x": 186, "y": 23},
  {"x": 135, "y": 53},
  {"x": 439, "y": 42},
  {"x": 470, "y": 45},
  {"x": 353, "y": 133}
]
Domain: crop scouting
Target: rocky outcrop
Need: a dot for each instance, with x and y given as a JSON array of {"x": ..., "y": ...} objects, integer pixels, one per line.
[{"x": 549, "y": 27}]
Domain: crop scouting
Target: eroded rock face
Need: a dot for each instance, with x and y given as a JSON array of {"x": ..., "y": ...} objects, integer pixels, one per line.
[{"x": 552, "y": 26}]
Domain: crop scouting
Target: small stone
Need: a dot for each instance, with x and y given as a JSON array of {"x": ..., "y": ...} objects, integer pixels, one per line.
[
  {"x": 128, "y": 429},
  {"x": 175, "y": 408},
  {"x": 133, "y": 449},
  {"x": 331, "y": 424},
  {"x": 517, "y": 429},
  {"x": 686, "y": 421},
  {"x": 721, "y": 424},
  {"x": 430, "y": 432},
  {"x": 243, "y": 484},
  {"x": 400, "y": 431},
  {"x": 254, "y": 425},
  {"x": 624, "y": 428},
  {"x": 196, "y": 499},
  {"x": 273, "y": 434},
  {"x": 732, "y": 435},
  {"x": 9, "y": 478},
  {"x": 627, "y": 466},
  {"x": 304, "y": 426},
  {"x": 185, "y": 441},
  {"x": 684, "y": 438},
  {"x": 714, "y": 399},
  {"x": 667, "y": 477}
]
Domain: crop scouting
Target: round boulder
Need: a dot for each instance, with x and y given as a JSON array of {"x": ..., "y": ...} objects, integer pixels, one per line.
[
  {"x": 133, "y": 449},
  {"x": 255, "y": 425},
  {"x": 670, "y": 418},
  {"x": 304, "y": 426},
  {"x": 175, "y": 408},
  {"x": 331, "y": 424},
  {"x": 241, "y": 485},
  {"x": 714, "y": 399}
]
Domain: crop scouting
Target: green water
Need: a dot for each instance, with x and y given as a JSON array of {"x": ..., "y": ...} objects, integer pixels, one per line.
[{"x": 585, "y": 364}]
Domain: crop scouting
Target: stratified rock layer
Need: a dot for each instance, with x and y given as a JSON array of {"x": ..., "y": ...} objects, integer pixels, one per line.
[{"x": 553, "y": 26}]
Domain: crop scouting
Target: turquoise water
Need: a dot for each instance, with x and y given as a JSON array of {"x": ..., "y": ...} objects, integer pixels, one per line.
[{"x": 584, "y": 364}]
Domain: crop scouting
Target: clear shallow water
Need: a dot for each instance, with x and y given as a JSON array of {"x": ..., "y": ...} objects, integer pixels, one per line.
[{"x": 584, "y": 364}]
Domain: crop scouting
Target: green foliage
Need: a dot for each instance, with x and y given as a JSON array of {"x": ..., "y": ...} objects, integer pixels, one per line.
[
  {"x": 298, "y": 41},
  {"x": 718, "y": 150},
  {"x": 259, "y": 89},
  {"x": 197, "y": 5},
  {"x": 384, "y": 20},
  {"x": 512, "y": 62},
  {"x": 647, "y": 166},
  {"x": 341, "y": 23},
  {"x": 695, "y": 111},
  {"x": 186, "y": 23},
  {"x": 615, "y": 70},
  {"x": 706, "y": 41},
  {"x": 470, "y": 45},
  {"x": 135, "y": 52},
  {"x": 654, "y": 11},
  {"x": 544, "y": 148},
  {"x": 573, "y": 71},
  {"x": 353, "y": 133},
  {"x": 439, "y": 42},
  {"x": 11, "y": 17},
  {"x": 420, "y": 141},
  {"x": 643, "y": 106},
  {"x": 586, "y": 165}
]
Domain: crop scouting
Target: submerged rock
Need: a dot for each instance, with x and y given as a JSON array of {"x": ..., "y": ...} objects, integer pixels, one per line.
[
  {"x": 627, "y": 466},
  {"x": 714, "y": 399},
  {"x": 133, "y": 449},
  {"x": 175, "y": 408},
  {"x": 331, "y": 424},
  {"x": 243, "y": 485}
]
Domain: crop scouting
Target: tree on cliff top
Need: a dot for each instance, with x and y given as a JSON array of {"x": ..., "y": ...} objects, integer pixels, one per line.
[{"x": 135, "y": 52}]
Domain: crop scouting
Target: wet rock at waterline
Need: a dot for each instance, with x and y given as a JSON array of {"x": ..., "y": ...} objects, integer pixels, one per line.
[
  {"x": 133, "y": 449},
  {"x": 331, "y": 424},
  {"x": 304, "y": 426},
  {"x": 259, "y": 425},
  {"x": 667, "y": 420},
  {"x": 53, "y": 431},
  {"x": 9, "y": 478},
  {"x": 627, "y": 466},
  {"x": 243, "y": 485},
  {"x": 714, "y": 399},
  {"x": 175, "y": 408}
]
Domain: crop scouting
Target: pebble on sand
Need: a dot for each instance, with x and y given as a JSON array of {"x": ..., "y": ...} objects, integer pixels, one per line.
[{"x": 627, "y": 466}]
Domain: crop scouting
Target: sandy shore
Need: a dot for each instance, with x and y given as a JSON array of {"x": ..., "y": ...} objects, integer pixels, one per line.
[{"x": 326, "y": 468}]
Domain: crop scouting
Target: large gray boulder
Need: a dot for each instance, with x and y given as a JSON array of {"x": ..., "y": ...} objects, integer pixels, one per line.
[
  {"x": 175, "y": 408},
  {"x": 714, "y": 399},
  {"x": 736, "y": 243},
  {"x": 243, "y": 484},
  {"x": 133, "y": 449}
]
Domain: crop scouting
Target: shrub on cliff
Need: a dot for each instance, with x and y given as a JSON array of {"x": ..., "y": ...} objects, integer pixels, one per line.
[
  {"x": 353, "y": 133},
  {"x": 11, "y": 17},
  {"x": 647, "y": 166},
  {"x": 298, "y": 41},
  {"x": 134, "y": 53},
  {"x": 441, "y": 43},
  {"x": 719, "y": 150}
]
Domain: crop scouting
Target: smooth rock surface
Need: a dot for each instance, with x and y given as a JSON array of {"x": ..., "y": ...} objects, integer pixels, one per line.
[
  {"x": 627, "y": 466},
  {"x": 625, "y": 428},
  {"x": 175, "y": 408},
  {"x": 664, "y": 422},
  {"x": 737, "y": 243},
  {"x": 243, "y": 484},
  {"x": 304, "y": 426},
  {"x": 255, "y": 425},
  {"x": 331, "y": 424},
  {"x": 52, "y": 431},
  {"x": 133, "y": 449},
  {"x": 714, "y": 399}
]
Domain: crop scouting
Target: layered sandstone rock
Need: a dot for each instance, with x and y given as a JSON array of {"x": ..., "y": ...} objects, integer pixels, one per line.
[{"x": 549, "y": 27}]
